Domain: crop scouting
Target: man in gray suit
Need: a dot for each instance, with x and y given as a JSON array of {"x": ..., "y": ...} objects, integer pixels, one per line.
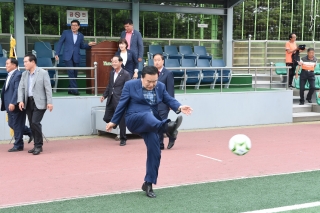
[{"x": 35, "y": 96}]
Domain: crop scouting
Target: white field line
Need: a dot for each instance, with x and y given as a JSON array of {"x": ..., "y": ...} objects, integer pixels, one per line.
[
  {"x": 287, "y": 208},
  {"x": 209, "y": 157},
  {"x": 139, "y": 190}
]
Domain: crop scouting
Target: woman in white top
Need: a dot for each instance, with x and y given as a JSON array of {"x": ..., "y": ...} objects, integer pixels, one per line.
[{"x": 130, "y": 61}]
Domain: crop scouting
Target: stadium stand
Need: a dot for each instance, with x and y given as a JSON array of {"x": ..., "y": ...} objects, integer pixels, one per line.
[
  {"x": 187, "y": 53},
  {"x": 171, "y": 52},
  {"x": 207, "y": 76},
  {"x": 202, "y": 53},
  {"x": 192, "y": 76}
]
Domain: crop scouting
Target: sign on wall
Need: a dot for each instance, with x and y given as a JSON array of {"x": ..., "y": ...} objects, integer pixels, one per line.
[{"x": 81, "y": 16}]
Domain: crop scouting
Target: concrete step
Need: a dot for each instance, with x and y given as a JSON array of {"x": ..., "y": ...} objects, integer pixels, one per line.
[
  {"x": 296, "y": 99},
  {"x": 266, "y": 84},
  {"x": 296, "y": 108},
  {"x": 305, "y": 117}
]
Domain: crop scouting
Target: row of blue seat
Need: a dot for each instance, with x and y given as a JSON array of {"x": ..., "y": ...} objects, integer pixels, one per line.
[
  {"x": 185, "y": 51},
  {"x": 196, "y": 76}
]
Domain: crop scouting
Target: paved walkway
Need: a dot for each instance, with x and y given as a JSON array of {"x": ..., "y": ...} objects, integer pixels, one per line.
[{"x": 98, "y": 165}]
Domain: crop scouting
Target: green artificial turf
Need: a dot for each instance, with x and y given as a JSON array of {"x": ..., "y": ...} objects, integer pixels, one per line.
[{"x": 221, "y": 197}]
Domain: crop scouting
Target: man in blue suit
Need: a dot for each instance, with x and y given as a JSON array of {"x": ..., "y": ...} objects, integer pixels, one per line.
[
  {"x": 133, "y": 38},
  {"x": 73, "y": 41},
  {"x": 166, "y": 77},
  {"x": 9, "y": 96},
  {"x": 139, "y": 101}
]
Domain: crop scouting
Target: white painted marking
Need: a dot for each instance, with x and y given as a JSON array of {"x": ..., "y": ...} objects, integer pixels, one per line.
[
  {"x": 287, "y": 208},
  {"x": 209, "y": 157},
  {"x": 139, "y": 190}
]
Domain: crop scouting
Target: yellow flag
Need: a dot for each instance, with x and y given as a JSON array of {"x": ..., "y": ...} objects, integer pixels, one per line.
[
  {"x": 12, "y": 46},
  {"x": 11, "y": 130}
]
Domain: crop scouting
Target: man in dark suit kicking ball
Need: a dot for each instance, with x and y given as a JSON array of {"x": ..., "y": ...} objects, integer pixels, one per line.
[
  {"x": 118, "y": 78},
  {"x": 139, "y": 100}
]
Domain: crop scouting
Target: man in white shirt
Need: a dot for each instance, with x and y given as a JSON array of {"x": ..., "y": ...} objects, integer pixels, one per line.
[{"x": 118, "y": 78}]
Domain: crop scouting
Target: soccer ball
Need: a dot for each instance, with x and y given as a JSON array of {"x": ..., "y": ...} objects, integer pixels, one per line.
[{"x": 240, "y": 144}]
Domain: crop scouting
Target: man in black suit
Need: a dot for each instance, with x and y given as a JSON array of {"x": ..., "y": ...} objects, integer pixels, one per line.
[
  {"x": 113, "y": 93},
  {"x": 9, "y": 95},
  {"x": 166, "y": 77}
]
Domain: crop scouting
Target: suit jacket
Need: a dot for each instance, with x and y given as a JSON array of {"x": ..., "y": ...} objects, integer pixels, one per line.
[
  {"x": 132, "y": 100},
  {"x": 114, "y": 88},
  {"x": 166, "y": 77},
  {"x": 132, "y": 62},
  {"x": 71, "y": 50},
  {"x": 10, "y": 95},
  {"x": 136, "y": 44},
  {"x": 41, "y": 88}
]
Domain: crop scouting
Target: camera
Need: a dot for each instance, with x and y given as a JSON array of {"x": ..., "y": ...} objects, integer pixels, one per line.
[{"x": 302, "y": 47}]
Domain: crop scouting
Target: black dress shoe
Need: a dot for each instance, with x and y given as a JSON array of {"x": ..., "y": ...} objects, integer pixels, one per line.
[
  {"x": 301, "y": 103},
  {"x": 32, "y": 150},
  {"x": 161, "y": 146},
  {"x": 170, "y": 144},
  {"x": 37, "y": 151},
  {"x": 173, "y": 126},
  {"x": 73, "y": 93},
  {"x": 13, "y": 149},
  {"x": 148, "y": 189},
  {"x": 309, "y": 101},
  {"x": 123, "y": 143},
  {"x": 30, "y": 138}
]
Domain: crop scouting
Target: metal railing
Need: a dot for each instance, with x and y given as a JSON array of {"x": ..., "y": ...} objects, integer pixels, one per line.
[
  {"x": 56, "y": 76},
  {"x": 266, "y": 72}
]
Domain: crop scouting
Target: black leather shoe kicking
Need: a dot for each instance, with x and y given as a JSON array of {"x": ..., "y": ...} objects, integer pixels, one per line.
[
  {"x": 37, "y": 151},
  {"x": 148, "y": 189},
  {"x": 173, "y": 126},
  {"x": 30, "y": 138},
  {"x": 170, "y": 144},
  {"x": 161, "y": 146},
  {"x": 123, "y": 143},
  {"x": 309, "y": 101},
  {"x": 13, "y": 149},
  {"x": 32, "y": 150}
]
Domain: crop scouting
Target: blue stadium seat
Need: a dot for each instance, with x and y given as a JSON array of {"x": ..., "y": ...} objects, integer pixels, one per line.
[
  {"x": 177, "y": 74},
  {"x": 61, "y": 61},
  {"x": 280, "y": 71},
  {"x": 83, "y": 60},
  {"x": 154, "y": 49},
  {"x": 207, "y": 76},
  {"x": 223, "y": 74},
  {"x": 46, "y": 62},
  {"x": 192, "y": 76},
  {"x": 3, "y": 71},
  {"x": 21, "y": 64},
  {"x": 187, "y": 52},
  {"x": 3, "y": 52},
  {"x": 150, "y": 62},
  {"x": 171, "y": 52},
  {"x": 202, "y": 53},
  {"x": 43, "y": 50}
]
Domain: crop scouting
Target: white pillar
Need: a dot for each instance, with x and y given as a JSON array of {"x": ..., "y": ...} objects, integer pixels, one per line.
[
  {"x": 135, "y": 13},
  {"x": 227, "y": 37}
]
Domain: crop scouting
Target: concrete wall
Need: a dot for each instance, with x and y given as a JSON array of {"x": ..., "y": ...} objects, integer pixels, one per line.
[{"x": 73, "y": 115}]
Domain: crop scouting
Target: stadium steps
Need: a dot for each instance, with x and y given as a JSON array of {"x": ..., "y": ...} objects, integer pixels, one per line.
[
  {"x": 263, "y": 81},
  {"x": 304, "y": 113}
]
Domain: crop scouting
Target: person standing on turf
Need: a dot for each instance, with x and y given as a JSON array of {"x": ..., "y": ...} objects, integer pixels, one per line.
[{"x": 139, "y": 102}]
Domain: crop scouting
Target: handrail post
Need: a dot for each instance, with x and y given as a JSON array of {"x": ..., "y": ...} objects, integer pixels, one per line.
[
  {"x": 221, "y": 78},
  {"x": 255, "y": 80},
  {"x": 271, "y": 65},
  {"x": 185, "y": 81},
  {"x": 95, "y": 78},
  {"x": 249, "y": 53}
]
